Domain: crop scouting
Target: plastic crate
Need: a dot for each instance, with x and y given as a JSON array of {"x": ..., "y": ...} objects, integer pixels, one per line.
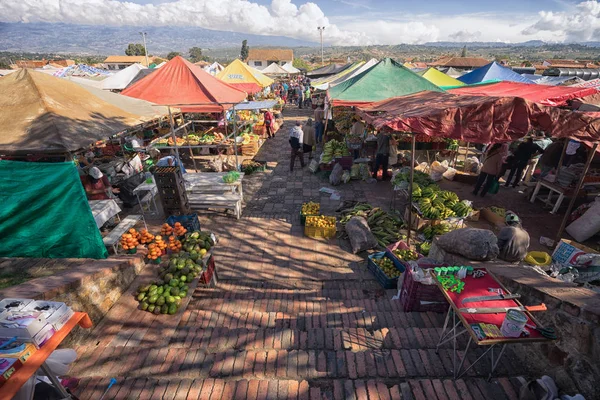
[
  {"x": 317, "y": 232},
  {"x": 416, "y": 296},
  {"x": 389, "y": 251},
  {"x": 326, "y": 167},
  {"x": 346, "y": 162},
  {"x": 189, "y": 222},
  {"x": 382, "y": 278}
]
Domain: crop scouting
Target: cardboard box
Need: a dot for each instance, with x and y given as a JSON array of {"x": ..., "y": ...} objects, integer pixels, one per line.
[
  {"x": 22, "y": 325},
  {"x": 43, "y": 336},
  {"x": 56, "y": 313},
  {"x": 21, "y": 350},
  {"x": 490, "y": 216},
  {"x": 13, "y": 304},
  {"x": 8, "y": 366},
  {"x": 567, "y": 251}
]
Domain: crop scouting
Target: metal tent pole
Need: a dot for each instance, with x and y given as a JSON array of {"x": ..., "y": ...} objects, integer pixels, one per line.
[
  {"x": 235, "y": 148},
  {"x": 574, "y": 197},
  {"x": 173, "y": 134},
  {"x": 410, "y": 187},
  {"x": 190, "y": 147}
]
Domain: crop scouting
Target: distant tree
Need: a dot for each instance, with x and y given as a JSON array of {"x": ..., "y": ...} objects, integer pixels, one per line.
[
  {"x": 4, "y": 64},
  {"x": 172, "y": 55},
  {"x": 135, "y": 49},
  {"x": 244, "y": 51},
  {"x": 464, "y": 51},
  {"x": 527, "y": 64},
  {"x": 196, "y": 54},
  {"x": 301, "y": 64}
]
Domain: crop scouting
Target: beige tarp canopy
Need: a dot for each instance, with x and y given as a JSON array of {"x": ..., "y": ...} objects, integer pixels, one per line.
[{"x": 42, "y": 113}]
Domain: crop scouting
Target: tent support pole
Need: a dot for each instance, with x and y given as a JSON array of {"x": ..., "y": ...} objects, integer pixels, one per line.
[
  {"x": 579, "y": 185},
  {"x": 190, "y": 147},
  {"x": 172, "y": 120},
  {"x": 466, "y": 156},
  {"x": 562, "y": 157},
  {"x": 410, "y": 187},
  {"x": 235, "y": 147}
]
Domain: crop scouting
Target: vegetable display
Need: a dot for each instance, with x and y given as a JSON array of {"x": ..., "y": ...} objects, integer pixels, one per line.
[
  {"x": 388, "y": 267},
  {"x": 384, "y": 226},
  {"x": 334, "y": 149}
]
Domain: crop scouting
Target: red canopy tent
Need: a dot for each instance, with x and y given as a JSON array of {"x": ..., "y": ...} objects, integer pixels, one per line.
[
  {"x": 180, "y": 82},
  {"x": 541, "y": 94},
  {"x": 478, "y": 119},
  {"x": 249, "y": 88}
]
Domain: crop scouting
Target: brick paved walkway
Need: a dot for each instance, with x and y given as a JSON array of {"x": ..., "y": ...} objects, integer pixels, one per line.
[{"x": 292, "y": 318}]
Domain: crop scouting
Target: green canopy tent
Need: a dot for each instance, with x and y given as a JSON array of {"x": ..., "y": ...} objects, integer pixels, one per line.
[
  {"x": 45, "y": 212},
  {"x": 385, "y": 80}
]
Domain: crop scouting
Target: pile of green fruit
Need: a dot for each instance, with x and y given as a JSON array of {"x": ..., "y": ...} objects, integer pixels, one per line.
[
  {"x": 334, "y": 149},
  {"x": 384, "y": 226},
  {"x": 250, "y": 167},
  {"x": 197, "y": 244},
  {"x": 424, "y": 248},
  {"x": 165, "y": 295},
  {"x": 231, "y": 177},
  {"x": 499, "y": 211},
  {"x": 435, "y": 203},
  {"x": 434, "y": 230},
  {"x": 387, "y": 266},
  {"x": 419, "y": 178},
  {"x": 406, "y": 255}
]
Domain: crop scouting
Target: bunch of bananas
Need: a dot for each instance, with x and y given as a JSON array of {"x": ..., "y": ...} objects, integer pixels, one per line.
[
  {"x": 433, "y": 230},
  {"x": 310, "y": 208},
  {"x": 406, "y": 255},
  {"x": 435, "y": 209},
  {"x": 334, "y": 149},
  {"x": 321, "y": 221},
  {"x": 449, "y": 198},
  {"x": 384, "y": 226},
  {"x": 461, "y": 209}
]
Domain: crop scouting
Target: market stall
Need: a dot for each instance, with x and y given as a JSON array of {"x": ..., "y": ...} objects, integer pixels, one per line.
[{"x": 241, "y": 76}]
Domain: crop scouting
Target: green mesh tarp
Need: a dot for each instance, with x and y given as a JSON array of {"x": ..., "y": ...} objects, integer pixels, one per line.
[
  {"x": 385, "y": 80},
  {"x": 45, "y": 213}
]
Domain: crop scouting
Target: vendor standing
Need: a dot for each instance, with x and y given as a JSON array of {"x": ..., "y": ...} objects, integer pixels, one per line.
[
  {"x": 296, "y": 141},
  {"x": 521, "y": 158},
  {"x": 97, "y": 185},
  {"x": 382, "y": 156},
  {"x": 319, "y": 123},
  {"x": 167, "y": 161},
  {"x": 492, "y": 167},
  {"x": 268, "y": 123},
  {"x": 358, "y": 129},
  {"x": 308, "y": 138},
  {"x": 513, "y": 240}
]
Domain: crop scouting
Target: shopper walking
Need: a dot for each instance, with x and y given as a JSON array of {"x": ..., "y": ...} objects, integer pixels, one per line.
[
  {"x": 382, "y": 157},
  {"x": 319, "y": 123},
  {"x": 308, "y": 138},
  {"x": 268, "y": 123},
  {"x": 492, "y": 166},
  {"x": 300, "y": 94},
  {"x": 296, "y": 141},
  {"x": 522, "y": 156}
]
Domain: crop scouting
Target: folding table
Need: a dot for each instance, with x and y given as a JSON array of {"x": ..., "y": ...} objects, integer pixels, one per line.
[
  {"x": 458, "y": 323},
  {"x": 38, "y": 360}
]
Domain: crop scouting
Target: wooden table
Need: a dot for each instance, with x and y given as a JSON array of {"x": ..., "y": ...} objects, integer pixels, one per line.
[
  {"x": 461, "y": 322},
  {"x": 207, "y": 190},
  {"x": 103, "y": 210},
  {"x": 152, "y": 190},
  {"x": 38, "y": 359}
]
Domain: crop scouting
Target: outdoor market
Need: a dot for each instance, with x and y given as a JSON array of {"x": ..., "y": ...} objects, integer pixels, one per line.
[{"x": 438, "y": 229}]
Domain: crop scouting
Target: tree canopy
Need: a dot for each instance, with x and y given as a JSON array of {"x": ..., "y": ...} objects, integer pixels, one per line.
[
  {"x": 172, "y": 55},
  {"x": 135, "y": 49},
  {"x": 196, "y": 54},
  {"x": 244, "y": 51}
]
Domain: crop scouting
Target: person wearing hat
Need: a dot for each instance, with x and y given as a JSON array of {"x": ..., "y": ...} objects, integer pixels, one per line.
[
  {"x": 96, "y": 185},
  {"x": 513, "y": 240},
  {"x": 167, "y": 161}
]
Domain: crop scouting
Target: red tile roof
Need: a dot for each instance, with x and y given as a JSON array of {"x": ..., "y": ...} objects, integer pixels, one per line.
[{"x": 460, "y": 62}]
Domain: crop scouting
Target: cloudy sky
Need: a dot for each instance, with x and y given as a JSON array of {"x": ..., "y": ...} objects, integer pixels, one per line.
[{"x": 347, "y": 22}]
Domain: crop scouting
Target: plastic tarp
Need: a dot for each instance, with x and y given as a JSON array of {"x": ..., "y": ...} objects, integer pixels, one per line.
[
  {"x": 452, "y": 72},
  {"x": 546, "y": 95},
  {"x": 240, "y": 73},
  {"x": 256, "y": 105},
  {"x": 141, "y": 75},
  {"x": 121, "y": 79},
  {"x": 492, "y": 71},
  {"x": 274, "y": 69},
  {"x": 385, "y": 80},
  {"x": 331, "y": 69},
  {"x": 478, "y": 119},
  {"x": 214, "y": 68},
  {"x": 553, "y": 80},
  {"x": 290, "y": 68},
  {"x": 85, "y": 81},
  {"x": 439, "y": 78},
  {"x": 40, "y": 113},
  {"x": 595, "y": 83},
  {"x": 327, "y": 82},
  {"x": 180, "y": 82},
  {"x": 45, "y": 212}
]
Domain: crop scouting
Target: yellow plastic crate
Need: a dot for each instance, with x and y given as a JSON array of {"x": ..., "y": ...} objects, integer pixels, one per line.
[{"x": 317, "y": 232}]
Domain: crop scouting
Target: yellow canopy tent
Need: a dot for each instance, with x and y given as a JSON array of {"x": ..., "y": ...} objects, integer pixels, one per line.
[
  {"x": 244, "y": 77},
  {"x": 439, "y": 78}
]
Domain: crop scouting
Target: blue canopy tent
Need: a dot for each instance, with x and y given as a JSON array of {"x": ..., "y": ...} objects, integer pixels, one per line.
[{"x": 493, "y": 71}]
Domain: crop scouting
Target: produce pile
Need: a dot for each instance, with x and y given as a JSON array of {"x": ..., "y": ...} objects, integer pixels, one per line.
[
  {"x": 129, "y": 240},
  {"x": 387, "y": 266},
  {"x": 384, "y": 226},
  {"x": 165, "y": 295},
  {"x": 406, "y": 255},
  {"x": 321, "y": 221},
  {"x": 498, "y": 211},
  {"x": 434, "y": 230},
  {"x": 402, "y": 178},
  {"x": 250, "y": 167},
  {"x": 424, "y": 248},
  {"x": 435, "y": 203},
  {"x": 249, "y": 138},
  {"x": 231, "y": 177},
  {"x": 343, "y": 118},
  {"x": 310, "y": 208},
  {"x": 334, "y": 149}
]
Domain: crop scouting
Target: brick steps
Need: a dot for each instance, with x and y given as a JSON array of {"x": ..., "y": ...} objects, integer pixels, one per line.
[
  {"x": 358, "y": 389},
  {"x": 176, "y": 362}
]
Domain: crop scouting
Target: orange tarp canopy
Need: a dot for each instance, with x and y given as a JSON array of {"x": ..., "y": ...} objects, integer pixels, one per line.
[{"x": 180, "y": 82}]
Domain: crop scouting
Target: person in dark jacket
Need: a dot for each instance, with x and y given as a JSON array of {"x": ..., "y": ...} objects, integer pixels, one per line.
[
  {"x": 521, "y": 158},
  {"x": 296, "y": 143},
  {"x": 513, "y": 240}
]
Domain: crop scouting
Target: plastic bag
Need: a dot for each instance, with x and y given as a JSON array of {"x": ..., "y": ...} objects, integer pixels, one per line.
[
  {"x": 365, "y": 174},
  {"x": 495, "y": 187},
  {"x": 449, "y": 174},
  {"x": 472, "y": 164},
  {"x": 360, "y": 235},
  {"x": 355, "y": 171},
  {"x": 346, "y": 177},
  {"x": 472, "y": 243},
  {"x": 336, "y": 175},
  {"x": 587, "y": 225},
  {"x": 393, "y": 156},
  {"x": 313, "y": 166}
]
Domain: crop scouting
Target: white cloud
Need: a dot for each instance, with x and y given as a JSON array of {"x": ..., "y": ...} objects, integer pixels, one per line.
[
  {"x": 281, "y": 18},
  {"x": 465, "y": 36},
  {"x": 578, "y": 24}
]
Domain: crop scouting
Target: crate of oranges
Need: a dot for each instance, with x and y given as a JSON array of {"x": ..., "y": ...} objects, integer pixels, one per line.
[
  {"x": 129, "y": 241},
  {"x": 320, "y": 226},
  {"x": 309, "y": 209}
]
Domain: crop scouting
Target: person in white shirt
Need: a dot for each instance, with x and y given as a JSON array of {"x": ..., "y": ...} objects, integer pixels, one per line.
[{"x": 296, "y": 141}]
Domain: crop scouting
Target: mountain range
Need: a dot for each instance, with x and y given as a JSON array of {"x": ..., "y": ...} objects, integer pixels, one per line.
[{"x": 95, "y": 39}]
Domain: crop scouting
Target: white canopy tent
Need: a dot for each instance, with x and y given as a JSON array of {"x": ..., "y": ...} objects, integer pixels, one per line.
[
  {"x": 214, "y": 68},
  {"x": 121, "y": 79},
  {"x": 275, "y": 70},
  {"x": 290, "y": 68}
]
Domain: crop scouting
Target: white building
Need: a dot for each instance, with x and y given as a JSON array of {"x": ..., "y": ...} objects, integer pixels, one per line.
[{"x": 261, "y": 58}]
